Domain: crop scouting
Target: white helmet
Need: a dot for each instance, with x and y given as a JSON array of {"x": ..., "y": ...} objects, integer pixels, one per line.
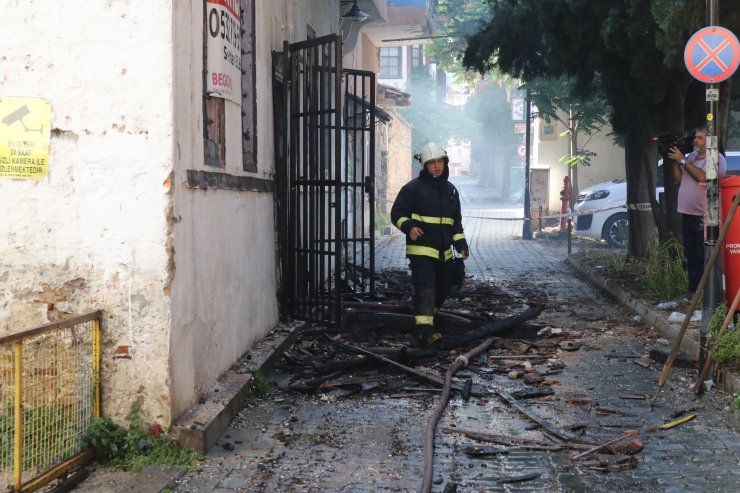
[{"x": 430, "y": 152}]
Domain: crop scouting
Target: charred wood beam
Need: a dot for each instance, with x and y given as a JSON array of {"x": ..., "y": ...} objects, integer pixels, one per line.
[
  {"x": 488, "y": 330},
  {"x": 394, "y": 357},
  {"x": 403, "y": 309},
  {"x": 424, "y": 376}
]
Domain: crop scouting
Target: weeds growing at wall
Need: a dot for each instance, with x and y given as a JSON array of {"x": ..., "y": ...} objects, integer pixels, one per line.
[
  {"x": 139, "y": 445},
  {"x": 728, "y": 350},
  {"x": 659, "y": 276},
  {"x": 727, "y": 354},
  {"x": 662, "y": 274},
  {"x": 260, "y": 386}
]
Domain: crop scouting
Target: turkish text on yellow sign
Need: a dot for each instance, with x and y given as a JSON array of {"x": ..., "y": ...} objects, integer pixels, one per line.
[{"x": 24, "y": 137}]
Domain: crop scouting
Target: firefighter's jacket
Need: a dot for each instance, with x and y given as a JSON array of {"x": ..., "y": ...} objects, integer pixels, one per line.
[{"x": 432, "y": 204}]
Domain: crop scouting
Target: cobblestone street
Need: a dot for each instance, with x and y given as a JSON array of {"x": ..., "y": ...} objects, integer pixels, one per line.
[{"x": 319, "y": 442}]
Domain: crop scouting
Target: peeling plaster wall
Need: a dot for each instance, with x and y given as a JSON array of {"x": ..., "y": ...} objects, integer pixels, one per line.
[
  {"x": 92, "y": 234},
  {"x": 223, "y": 242}
]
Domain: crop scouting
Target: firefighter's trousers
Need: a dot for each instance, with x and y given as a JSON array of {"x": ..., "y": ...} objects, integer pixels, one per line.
[{"x": 432, "y": 281}]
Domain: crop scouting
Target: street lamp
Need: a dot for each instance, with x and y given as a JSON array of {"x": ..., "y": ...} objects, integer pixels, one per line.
[
  {"x": 355, "y": 14},
  {"x": 354, "y": 17}
]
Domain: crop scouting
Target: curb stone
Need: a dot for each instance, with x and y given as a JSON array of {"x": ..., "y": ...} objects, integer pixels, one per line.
[
  {"x": 730, "y": 381},
  {"x": 202, "y": 425}
]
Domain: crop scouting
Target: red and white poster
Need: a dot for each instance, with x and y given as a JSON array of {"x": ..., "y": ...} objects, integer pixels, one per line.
[{"x": 223, "y": 77}]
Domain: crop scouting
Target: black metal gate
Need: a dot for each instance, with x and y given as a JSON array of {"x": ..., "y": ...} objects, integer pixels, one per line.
[
  {"x": 324, "y": 170},
  {"x": 358, "y": 181}
]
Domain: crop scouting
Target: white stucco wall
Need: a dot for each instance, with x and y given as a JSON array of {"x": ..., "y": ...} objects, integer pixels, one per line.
[
  {"x": 91, "y": 235},
  {"x": 225, "y": 282}
]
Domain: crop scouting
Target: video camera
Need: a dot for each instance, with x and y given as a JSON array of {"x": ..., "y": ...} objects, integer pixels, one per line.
[{"x": 684, "y": 144}]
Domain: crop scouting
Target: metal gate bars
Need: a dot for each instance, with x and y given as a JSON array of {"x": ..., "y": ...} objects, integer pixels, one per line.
[
  {"x": 358, "y": 181},
  {"x": 324, "y": 147}
]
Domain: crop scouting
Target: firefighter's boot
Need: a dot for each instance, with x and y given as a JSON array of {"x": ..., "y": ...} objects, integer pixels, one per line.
[{"x": 424, "y": 310}]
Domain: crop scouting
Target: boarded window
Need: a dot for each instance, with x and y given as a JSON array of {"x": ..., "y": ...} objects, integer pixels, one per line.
[
  {"x": 215, "y": 132},
  {"x": 214, "y": 108}
]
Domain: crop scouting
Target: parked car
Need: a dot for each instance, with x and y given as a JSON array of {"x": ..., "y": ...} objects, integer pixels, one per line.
[{"x": 608, "y": 221}]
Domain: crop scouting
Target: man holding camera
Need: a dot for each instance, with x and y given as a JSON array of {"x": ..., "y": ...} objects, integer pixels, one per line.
[{"x": 690, "y": 174}]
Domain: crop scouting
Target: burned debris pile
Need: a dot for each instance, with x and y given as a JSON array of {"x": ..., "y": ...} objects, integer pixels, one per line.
[{"x": 374, "y": 351}]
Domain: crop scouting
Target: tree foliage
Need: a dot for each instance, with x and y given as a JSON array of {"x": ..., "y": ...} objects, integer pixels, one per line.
[
  {"x": 433, "y": 121},
  {"x": 495, "y": 148},
  {"x": 556, "y": 99},
  {"x": 629, "y": 48}
]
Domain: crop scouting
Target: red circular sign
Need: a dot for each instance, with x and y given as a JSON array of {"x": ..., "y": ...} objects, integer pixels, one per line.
[
  {"x": 712, "y": 54},
  {"x": 522, "y": 150}
]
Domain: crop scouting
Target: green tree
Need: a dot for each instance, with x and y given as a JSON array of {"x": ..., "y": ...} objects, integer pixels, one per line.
[
  {"x": 555, "y": 100},
  {"x": 433, "y": 121},
  {"x": 458, "y": 19},
  {"x": 494, "y": 149},
  {"x": 628, "y": 48}
]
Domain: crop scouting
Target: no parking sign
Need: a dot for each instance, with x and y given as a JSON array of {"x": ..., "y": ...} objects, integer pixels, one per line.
[{"x": 712, "y": 54}]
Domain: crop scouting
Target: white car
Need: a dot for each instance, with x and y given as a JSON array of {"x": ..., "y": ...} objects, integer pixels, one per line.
[
  {"x": 611, "y": 224},
  {"x": 601, "y": 212}
]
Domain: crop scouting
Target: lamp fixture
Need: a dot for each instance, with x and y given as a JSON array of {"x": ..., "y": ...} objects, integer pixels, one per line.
[{"x": 355, "y": 14}]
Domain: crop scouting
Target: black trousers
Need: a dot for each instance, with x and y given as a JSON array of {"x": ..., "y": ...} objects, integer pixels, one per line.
[
  {"x": 692, "y": 229},
  {"x": 432, "y": 281}
]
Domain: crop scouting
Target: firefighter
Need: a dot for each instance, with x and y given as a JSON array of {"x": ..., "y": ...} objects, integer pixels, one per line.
[{"x": 427, "y": 210}]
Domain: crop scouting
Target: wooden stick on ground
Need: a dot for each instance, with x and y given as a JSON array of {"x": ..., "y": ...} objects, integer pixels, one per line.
[
  {"x": 695, "y": 299},
  {"x": 513, "y": 439},
  {"x": 598, "y": 447},
  {"x": 699, "y": 387},
  {"x": 558, "y": 432},
  {"x": 430, "y": 378}
]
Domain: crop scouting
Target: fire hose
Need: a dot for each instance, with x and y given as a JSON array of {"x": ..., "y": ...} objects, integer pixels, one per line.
[{"x": 461, "y": 362}]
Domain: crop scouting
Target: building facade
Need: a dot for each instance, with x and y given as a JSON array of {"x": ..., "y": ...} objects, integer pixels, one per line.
[{"x": 157, "y": 204}]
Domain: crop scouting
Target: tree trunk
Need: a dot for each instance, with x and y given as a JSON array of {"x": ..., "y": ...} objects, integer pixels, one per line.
[
  {"x": 573, "y": 150},
  {"x": 672, "y": 119},
  {"x": 639, "y": 155},
  {"x": 725, "y": 95}
]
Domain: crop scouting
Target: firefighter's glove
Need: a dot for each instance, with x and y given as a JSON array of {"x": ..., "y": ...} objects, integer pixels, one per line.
[{"x": 458, "y": 273}]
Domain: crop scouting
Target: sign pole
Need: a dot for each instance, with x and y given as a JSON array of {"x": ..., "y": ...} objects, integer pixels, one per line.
[
  {"x": 527, "y": 226},
  {"x": 713, "y": 289}
]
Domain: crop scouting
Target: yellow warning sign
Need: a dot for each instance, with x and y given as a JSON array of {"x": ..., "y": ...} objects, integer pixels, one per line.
[{"x": 24, "y": 137}]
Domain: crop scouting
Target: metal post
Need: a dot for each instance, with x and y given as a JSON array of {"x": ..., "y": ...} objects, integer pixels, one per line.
[
  {"x": 18, "y": 416},
  {"x": 570, "y": 228},
  {"x": 540, "y": 220},
  {"x": 527, "y": 226},
  {"x": 97, "y": 356},
  {"x": 713, "y": 289}
]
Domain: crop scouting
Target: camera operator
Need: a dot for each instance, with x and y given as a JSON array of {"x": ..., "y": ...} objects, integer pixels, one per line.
[{"x": 689, "y": 174}]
